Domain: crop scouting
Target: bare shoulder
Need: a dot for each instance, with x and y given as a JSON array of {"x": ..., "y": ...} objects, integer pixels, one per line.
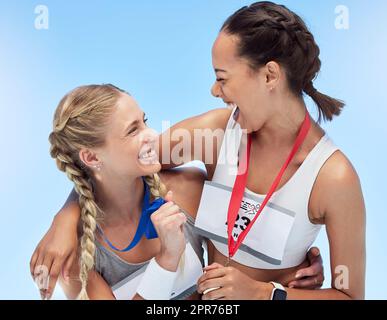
[
  {"x": 338, "y": 186},
  {"x": 339, "y": 171},
  {"x": 187, "y": 186}
]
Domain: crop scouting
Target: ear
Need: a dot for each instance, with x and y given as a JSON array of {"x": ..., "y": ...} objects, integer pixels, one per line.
[
  {"x": 89, "y": 157},
  {"x": 273, "y": 74}
]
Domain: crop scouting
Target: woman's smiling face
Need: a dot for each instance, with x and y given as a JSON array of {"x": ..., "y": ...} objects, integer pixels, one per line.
[
  {"x": 130, "y": 148},
  {"x": 237, "y": 83}
]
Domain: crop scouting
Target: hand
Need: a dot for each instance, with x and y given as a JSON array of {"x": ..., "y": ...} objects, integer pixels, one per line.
[
  {"x": 234, "y": 285},
  {"x": 54, "y": 254},
  {"x": 169, "y": 221},
  {"x": 311, "y": 277}
]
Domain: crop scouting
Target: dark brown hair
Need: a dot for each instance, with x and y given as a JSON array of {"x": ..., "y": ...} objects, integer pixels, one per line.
[{"x": 270, "y": 32}]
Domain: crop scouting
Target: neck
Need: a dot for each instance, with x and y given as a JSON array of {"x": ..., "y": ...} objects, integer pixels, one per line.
[
  {"x": 283, "y": 127},
  {"x": 120, "y": 199}
]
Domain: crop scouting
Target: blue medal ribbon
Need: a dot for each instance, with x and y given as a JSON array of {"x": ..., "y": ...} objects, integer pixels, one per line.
[{"x": 145, "y": 226}]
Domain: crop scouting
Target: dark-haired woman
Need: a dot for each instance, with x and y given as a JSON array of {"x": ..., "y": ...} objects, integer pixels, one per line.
[
  {"x": 297, "y": 180},
  {"x": 265, "y": 58}
]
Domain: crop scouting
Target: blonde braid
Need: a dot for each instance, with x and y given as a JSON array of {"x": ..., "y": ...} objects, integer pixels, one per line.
[
  {"x": 80, "y": 122},
  {"x": 89, "y": 210},
  {"x": 156, "y": 187}
]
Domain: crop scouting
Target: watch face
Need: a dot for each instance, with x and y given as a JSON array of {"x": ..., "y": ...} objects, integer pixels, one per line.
[{"x": 279, "y": 294}]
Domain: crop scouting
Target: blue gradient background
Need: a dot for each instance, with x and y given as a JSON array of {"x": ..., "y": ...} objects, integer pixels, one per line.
[{"x": 160, "y": 51}]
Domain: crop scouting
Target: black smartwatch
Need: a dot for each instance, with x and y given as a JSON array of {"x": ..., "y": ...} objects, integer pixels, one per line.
[{"x": 279, "y": 292}]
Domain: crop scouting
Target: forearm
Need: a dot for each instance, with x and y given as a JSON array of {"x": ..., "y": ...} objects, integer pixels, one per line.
[
  {"x": 264, "y": 292},
  {"x": 320, "y": 294},
  {"x": 207, "y": 128}
]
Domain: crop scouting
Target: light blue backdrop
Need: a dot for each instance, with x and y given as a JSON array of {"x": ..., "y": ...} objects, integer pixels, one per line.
[{"x": 160, "y": 52}]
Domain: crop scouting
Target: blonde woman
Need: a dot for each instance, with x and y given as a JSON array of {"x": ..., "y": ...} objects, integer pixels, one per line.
[{"x": 101, "y": 141}]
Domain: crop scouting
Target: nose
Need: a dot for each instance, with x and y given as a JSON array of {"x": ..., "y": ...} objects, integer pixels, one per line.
[
  {"x": 149, "y": 135},
  {"x": 216, "y": 91}
]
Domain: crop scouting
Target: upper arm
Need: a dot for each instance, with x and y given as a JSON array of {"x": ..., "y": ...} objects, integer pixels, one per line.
[
  {"x": 344, "y": 215},
  {"x": 71, "y": 209},
  {"x": 73, "y": 197},
  {"x": 196, "y": 138}
]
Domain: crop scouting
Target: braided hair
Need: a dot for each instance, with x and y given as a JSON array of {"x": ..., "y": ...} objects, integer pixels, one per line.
[{"x": 270, "y": 32}]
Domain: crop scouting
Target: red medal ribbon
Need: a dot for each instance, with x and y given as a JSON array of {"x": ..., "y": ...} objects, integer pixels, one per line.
[{"x": 240, "y": 185}]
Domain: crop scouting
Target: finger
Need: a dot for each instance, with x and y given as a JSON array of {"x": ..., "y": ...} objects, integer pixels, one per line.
[
  {"x": 47, "y": 266},
  {"x": 213, "y": 265},
  {"x": 317, "y": 266},
  {"x": 210, "y": 289},
  {"x": 41, "y": 273},
  {"x": 163, "y": 207},
  {"x": 159, "y": 214},
  {"x": 212, "y": 274},
  {"x": 166, "y": 210},
  {"x": 174, "y": 209},
  {"x": 314, "y": 252},
  {"x": 173, "y": 222},
  {"x": 172, "y": 217},
  {"x": 314, "y": 269},
  {"x": 39, "y": 263},
  {"x": 33, "y": 260},
  {"x": 215, "y": 294},
  {"x": 314, "y": 256},
  {"x": 42, "y": 294},
  {"x": 54, "y": 274},
  {"x": 169, "y": 196},
  {"x": 210, "y": 284},
  {"x": 68, "y": 266},
  {"x": 309, "y": 283}
]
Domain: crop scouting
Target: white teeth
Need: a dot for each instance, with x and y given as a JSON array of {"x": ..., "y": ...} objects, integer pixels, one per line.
[
  {"x": 144, "y": 151},
  {"x": 148, "y": 156}
]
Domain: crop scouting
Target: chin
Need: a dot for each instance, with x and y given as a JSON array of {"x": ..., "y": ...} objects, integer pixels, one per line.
[
  {"x": 149, "y": 169},
  {"x": 245, "y": 125},
  {"x": 242, "y": 123}
]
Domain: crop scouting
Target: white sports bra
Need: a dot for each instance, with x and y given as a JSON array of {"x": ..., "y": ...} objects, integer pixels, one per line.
[{"x": 283, "y": 233}]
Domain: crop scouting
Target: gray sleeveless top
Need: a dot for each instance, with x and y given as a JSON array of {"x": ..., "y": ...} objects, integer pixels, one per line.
[{"x": 114, "y": 269}]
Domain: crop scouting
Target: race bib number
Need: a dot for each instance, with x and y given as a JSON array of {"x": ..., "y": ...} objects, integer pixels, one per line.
[{"x": 266, "y": 238}]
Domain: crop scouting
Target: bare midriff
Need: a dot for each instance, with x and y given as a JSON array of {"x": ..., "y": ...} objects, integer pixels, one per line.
[{"x": 283, "y": 276}]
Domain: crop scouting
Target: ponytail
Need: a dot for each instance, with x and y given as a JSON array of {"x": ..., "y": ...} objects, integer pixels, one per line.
[{"x": 328, "y": 107}]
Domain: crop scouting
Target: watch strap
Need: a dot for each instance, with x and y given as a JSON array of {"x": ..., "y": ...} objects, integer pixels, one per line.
[{"x": 277, "y": 286}]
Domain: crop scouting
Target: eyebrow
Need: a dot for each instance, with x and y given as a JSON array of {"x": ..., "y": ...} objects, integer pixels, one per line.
[{"x": 220, "y": 70}]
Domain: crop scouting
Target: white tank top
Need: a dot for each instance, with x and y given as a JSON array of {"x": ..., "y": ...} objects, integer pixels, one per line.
[{"x": 292, "y": 200}]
